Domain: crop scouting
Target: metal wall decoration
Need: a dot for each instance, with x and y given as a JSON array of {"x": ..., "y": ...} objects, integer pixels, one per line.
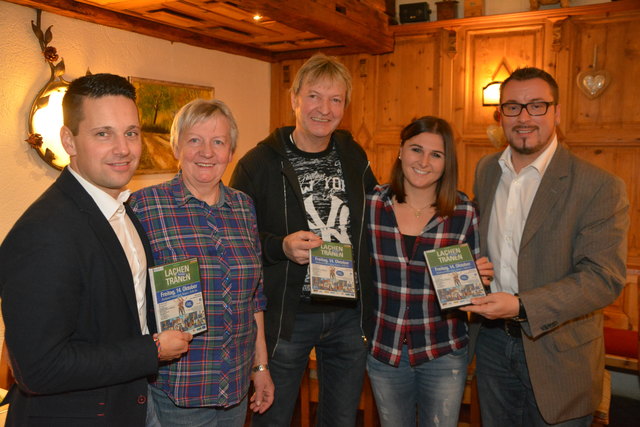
[{"x": 45, "y": 117}]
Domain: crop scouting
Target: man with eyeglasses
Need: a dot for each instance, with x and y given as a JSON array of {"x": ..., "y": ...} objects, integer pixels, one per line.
[{"x": 555, "y": 228}]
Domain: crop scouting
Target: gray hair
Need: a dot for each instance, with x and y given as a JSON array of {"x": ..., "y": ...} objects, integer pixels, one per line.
[{"x": 198, "y": 110}]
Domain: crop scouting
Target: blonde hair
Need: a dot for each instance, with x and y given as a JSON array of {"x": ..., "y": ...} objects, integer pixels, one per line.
[{"x": 321, "y": 66}]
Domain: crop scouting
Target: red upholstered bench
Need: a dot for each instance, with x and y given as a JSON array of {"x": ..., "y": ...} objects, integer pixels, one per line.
[
  {"x": 621, "y": 348},
  {"x": 621, "y": 326}
]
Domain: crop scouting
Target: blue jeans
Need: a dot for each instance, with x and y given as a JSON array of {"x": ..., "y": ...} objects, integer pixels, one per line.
[
  {"x": 504, "y": 386},
  {"x": 436, "y": 387},
  {"x": 163, "y": 412},
  {"x": 341, "y": 356}
]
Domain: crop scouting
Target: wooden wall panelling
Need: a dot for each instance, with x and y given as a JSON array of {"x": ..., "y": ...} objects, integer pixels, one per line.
[
  {"x": 604, "y": 130},
  {"x": 469, "y": 153},
  {"x": 624, "y": 161},
  {"x": 457, "y": 83},
  {"x": 485, "y": 51},
  {"x": 282, "y": 75},
  {"x": 453, "y": 101},
  {"x": 457, "y": 110},
  {"x": 407, "y": 86},
  {"x": 359, "y": 116},
  {"x": 408, "y": 82},
  {"x": 386, "y": 155},
  {"x": 615, "y": 115},
  {"x": 451, "y": 43}
]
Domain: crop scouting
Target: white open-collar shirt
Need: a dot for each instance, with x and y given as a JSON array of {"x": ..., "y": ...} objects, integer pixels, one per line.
[
  {"x": 133, "y": 248},
  {"x": 513, "y": 199}
]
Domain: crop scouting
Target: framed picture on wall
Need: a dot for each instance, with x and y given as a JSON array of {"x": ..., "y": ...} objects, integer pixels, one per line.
[{"x": 158, "y": 102}]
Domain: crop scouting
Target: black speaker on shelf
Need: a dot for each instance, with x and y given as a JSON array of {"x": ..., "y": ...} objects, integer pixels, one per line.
[{"x": 414, "y": 12}]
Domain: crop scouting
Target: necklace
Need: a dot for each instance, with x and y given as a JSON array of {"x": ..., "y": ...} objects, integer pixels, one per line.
[{"x": 416, "y": 212}]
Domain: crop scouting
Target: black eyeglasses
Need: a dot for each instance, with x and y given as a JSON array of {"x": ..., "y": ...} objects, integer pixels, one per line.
[{"x": 513, "y": 109}]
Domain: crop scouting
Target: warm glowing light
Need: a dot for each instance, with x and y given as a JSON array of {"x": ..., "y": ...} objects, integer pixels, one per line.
[
  {"x": 47, "y": 121},
  {"x": 491, "y": 94},
  {"x": 257, "y": 17}
]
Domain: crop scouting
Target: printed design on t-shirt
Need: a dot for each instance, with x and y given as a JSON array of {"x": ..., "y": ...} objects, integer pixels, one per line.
[
  {"x": 327, "y": 212},
  {"x": 325, "y": 197}
]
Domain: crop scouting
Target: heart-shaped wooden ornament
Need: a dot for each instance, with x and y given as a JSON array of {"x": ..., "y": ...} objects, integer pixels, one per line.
[{"x": 593, "y": 82}]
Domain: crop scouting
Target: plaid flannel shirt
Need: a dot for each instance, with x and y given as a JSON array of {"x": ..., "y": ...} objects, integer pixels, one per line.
[
  {"x": 224, "y": 238},
  {"x": 406, "y": 306}
]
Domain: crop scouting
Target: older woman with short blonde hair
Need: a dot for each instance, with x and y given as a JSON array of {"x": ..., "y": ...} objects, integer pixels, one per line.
[{"x": 196, "y": 215}]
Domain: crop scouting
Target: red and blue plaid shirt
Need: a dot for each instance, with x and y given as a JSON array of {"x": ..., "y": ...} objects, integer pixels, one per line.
[
  {"x": 224, "y": 238},
  {"x": 406, "y": 306}
]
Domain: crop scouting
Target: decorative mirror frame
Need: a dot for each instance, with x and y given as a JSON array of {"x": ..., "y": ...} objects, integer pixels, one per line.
[{"x": 45, "y": 117}]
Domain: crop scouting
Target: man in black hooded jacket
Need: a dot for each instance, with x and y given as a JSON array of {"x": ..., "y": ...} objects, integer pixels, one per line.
[{"x": 309, "y": 183}]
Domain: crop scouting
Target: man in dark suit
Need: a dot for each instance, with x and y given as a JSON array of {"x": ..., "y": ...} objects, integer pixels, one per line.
[
  {"x": 73, "y": 277},
  {"x": 554, "y": 227}
]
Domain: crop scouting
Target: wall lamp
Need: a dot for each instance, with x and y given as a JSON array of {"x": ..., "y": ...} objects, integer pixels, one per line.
[
  {"x": 491, "y": 94},
  {"x": 45, "y": 118},
  {"x": 491, "y": 98}
]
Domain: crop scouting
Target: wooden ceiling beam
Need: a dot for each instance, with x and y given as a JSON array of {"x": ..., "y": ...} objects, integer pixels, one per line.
[
  {"x": 350, "y": 23},
  {"x": 307, "y": 53},
  {"x": 97, "y": 15}
]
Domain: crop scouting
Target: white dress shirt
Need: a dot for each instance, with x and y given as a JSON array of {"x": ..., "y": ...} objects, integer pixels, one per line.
[
  {"x": 513, "y": 199},
  {"x": 115, "y": 213}
]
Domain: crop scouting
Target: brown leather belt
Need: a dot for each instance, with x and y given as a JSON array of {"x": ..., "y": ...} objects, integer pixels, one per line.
[{"x": 510, "y": 327}]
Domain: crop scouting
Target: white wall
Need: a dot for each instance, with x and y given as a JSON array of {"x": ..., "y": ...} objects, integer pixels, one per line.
[
  {"x": 494, "y": 7},
  {"x": 244, "y": 84}
]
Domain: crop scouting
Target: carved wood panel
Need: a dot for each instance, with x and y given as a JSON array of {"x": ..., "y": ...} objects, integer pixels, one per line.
[
  {"x": 408, "y": 82},
  {"x": 359, "y": 115},
  {"x": 489, "y": 55},
  {"x": 469, "y": 153},
  {"x": 282, "y": 75},
  {"x": 624, "y": 161},
  {"x": 615, "y": 44},
  {"x": 385, "y": 156}
]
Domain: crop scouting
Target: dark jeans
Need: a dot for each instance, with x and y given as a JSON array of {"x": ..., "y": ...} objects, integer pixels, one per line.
[
  {"x": 341, "y": 356},
  {"x": 504, "y": 387}
]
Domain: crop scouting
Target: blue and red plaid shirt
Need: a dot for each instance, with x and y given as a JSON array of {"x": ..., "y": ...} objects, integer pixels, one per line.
[
  {"x": 216, "y": 369},
  {"x": 406, "y": 306}
]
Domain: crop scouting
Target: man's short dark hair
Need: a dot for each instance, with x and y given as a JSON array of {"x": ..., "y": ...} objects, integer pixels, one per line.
[
  {"x": 92, "y": 86},
  {"x": 529, "y": 73}
]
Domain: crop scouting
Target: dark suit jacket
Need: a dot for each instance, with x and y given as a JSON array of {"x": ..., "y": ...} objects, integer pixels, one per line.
[
  {"x": 72, "y": 326},
  {"x": 571, "y": 264}
]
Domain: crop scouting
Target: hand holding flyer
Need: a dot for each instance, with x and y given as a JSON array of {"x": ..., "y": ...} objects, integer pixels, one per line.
[
  {"x": 177, "y": 296},
  {"x": 454, "y": 275},
  {"x": 331, "y": 271}
]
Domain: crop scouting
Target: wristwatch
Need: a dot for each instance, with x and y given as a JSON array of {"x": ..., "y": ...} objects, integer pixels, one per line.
[
  {"x": 260, "y": 368},
  {"x": 522, "y": 313}
]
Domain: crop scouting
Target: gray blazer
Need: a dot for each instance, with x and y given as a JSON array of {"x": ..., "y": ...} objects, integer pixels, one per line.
[{"x": 571, "y": 265}]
